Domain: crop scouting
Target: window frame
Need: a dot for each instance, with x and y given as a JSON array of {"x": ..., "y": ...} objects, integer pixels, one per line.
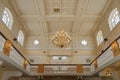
[
  {"x": 20, "y": 37},
  {"x": 114, "y": 18},
  {"x": 99, "y": 37},
  {"x": 7, "y": 18}
]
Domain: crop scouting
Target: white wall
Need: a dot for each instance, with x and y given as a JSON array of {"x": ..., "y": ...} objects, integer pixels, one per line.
[
  {"x": 8, "y": 74},
  {"x": 104, "y": 27},
  {"x": 25, "y": 78}
]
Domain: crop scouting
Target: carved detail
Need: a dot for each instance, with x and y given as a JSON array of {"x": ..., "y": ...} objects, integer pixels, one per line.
[
  {"x": 7, "y": 47},
  {"x": 95, "y": 64},
  {"x": 40, "y": 68},
  {"x": 25, "y": 64},
  {"x": 115, "y": 48},
  {"x": 79, "y": 68}
]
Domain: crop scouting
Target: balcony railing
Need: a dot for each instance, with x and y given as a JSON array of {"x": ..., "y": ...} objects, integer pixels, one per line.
[
  {"x": 106, "y": 56},
  {"x": 14, "y": 55}
]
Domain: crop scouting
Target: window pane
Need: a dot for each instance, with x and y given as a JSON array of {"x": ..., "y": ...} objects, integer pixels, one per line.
[
  {"x": 99, "y": 38},
  {"x": 7, "y": 18},
  {"x": 114, "y": 18},
  {"x": 64, "y": 57},
  {"x": 116, "y": 12},
  {"x": 20, "y": 37},
  {"x": 55, "y": 58}
]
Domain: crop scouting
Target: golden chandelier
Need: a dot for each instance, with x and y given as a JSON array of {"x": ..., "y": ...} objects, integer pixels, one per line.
[{"x": 61, "y": 39}]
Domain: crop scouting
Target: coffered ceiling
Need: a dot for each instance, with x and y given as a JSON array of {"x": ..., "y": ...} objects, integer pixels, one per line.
[
  {"x": 47, "y": 16},
  {"x": 43, "y": 18}
]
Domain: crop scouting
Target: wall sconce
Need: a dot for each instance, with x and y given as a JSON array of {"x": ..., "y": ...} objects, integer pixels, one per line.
[
  {"x": 44, "y": 51},
  {"x": 31, "y": 60},
  {"x": 88, "y": 60},
  {"x": 75, "y": 51},
  {"x": 105, "y": 39},
  {"x": 15, "y": 39},
  {"x": 102, "y": 51}
]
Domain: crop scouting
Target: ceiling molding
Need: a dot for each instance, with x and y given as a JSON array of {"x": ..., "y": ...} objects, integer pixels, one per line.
[
  {"x": 61, "y": 17},
  {"x": 94, "y": 28},
  {"x": 45, "y": 26},
  {"x": 30, "y": 16},
  {"x": 41, "y": 27},
  {"x": 58, "y": 18},
  {"x": 102, "y": 13},
  {"x": 85, "y": 6},
  {"x": 18, "y": 14},
  {"x": 106, "y": 7},
  {"x": 36, "y": 6},
  {"x": 15, "y": 7},
  {"x": 42, "y": 7},
  {"x": 78, "y": 10}
]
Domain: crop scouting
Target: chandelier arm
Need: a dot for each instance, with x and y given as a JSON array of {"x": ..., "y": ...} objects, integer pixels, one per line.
[{"x": 61, "y": 39}]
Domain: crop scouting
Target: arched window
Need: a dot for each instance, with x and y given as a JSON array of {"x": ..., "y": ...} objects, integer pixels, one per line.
[
  {"x": 20, "y": 37},
  {"x": 99, "y": 38},
  {"x": 114, "y": 18},
  {"x": 7, "y": 18}
]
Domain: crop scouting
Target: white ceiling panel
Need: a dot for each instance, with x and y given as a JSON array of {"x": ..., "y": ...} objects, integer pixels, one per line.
[
  {"x": 29, "y": 9},
  {"x": 95, "y": 6},
  {"x": 51, "y": 4},
  {"x": 66, "y": 7},
  {"x": 86, "y": 27},
  {"x": 54, "y": 26},
  {"x": 34, "y": 27}
]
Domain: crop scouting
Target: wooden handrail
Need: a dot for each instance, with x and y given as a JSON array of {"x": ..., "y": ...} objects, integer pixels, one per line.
[{"x": 102, "y": 52}]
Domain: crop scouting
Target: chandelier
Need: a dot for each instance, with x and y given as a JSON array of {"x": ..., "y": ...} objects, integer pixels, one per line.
[{"x": 61, "y": 39}]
